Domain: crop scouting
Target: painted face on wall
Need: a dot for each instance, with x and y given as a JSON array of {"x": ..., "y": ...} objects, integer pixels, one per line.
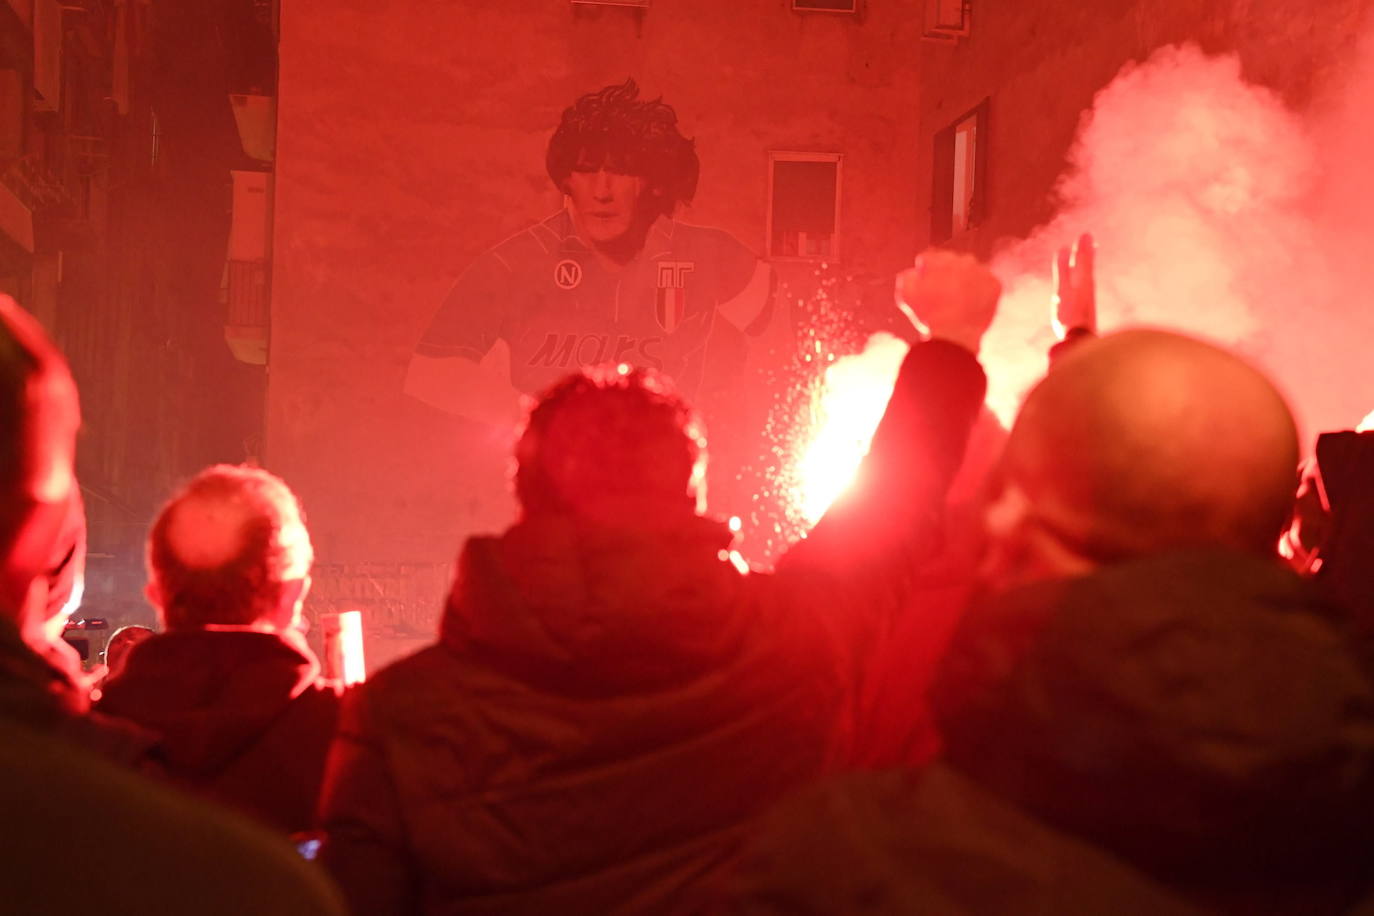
[{"x": 606, "y": 204}]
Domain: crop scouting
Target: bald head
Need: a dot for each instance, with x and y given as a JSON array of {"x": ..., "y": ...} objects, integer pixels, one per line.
[
  {"x": 225, "y": 549},
  {"x": 208, "y": 530},
  {"x": 1148, "y": 440}
]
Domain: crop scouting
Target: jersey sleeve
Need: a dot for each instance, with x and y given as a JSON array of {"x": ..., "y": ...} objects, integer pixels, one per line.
[
  {"x": 471, "y": 317},
  {"x": 735, "y": 267},
  {"x": 744, "y": 285}
]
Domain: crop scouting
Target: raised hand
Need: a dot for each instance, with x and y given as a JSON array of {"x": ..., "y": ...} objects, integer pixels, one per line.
[
  {"x": 1075, "y": 296},
  {"x": 949, "y": 296}
]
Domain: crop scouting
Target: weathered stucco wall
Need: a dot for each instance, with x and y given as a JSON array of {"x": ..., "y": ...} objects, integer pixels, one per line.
[{"x": 411, "y": 138}]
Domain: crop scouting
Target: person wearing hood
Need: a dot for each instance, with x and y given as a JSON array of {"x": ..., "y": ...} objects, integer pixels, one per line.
[
  {"x": 230, "y": 688},
  {"x": 612, "y": 698},
  {"x": 1142, "y": 709},
  {"x": 44, "y": 519}
]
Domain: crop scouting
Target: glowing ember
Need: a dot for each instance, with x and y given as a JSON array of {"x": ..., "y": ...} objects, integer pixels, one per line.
[{"x": 848, "y": 405}]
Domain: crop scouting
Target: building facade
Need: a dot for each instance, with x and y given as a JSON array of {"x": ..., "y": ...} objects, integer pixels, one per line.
[
  {"x": 837, "y": 139},
  {"x": 411, "y": 138},
  {"x": 117, "y": 141},
  {"x": 1033, "y": 68}
]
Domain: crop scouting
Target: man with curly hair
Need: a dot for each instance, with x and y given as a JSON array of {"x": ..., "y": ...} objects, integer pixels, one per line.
[
  {"x": 613, "y": 698},
  {"x": 613, "y": 277}
]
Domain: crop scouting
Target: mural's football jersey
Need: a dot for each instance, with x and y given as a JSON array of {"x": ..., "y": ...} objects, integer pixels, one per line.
[{"x": 559, "y": 307}]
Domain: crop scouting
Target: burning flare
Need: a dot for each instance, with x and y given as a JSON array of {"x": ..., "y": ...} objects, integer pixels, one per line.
[{"x": 847, "y": 405}]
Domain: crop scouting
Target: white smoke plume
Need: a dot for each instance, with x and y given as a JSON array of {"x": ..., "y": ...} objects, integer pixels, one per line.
[
  {"x": 1217, "y": 211},
  {"x": 1220, "y": 212}
]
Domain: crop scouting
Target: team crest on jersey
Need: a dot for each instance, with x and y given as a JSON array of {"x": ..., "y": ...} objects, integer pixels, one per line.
[
  {"x": 671, "y": 306},
  {"x": 567, "y": 274}
]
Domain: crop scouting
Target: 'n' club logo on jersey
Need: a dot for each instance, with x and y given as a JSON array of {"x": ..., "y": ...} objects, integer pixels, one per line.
[
  {"x": 671, "y": 306},
  {"x": 567, "y": 273}
]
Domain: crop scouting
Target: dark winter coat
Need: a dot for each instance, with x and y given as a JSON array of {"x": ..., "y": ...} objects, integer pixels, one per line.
[
  {"x": 606, "y": 711},
  {"x": 1184, "y": 731},
  {"x": 82, "y": 832},
  {"x": 242, "y": 717},
  {"x": 47, "y": 695},
  {"x": 82, "y": 836}
]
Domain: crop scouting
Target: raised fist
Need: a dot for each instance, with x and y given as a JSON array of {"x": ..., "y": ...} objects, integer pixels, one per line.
[{"x": 949, "y": 296}]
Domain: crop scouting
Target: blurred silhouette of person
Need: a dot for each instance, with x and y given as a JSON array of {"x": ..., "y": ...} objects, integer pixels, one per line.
[
  {"x": 41, "y": 679},
  {"x": 1141, "y": 710},
  {"x": 1332, "y": 534},
  {"x": 120, "y": 644}
]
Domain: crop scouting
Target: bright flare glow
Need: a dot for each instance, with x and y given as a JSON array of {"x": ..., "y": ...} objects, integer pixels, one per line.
[
  {"x": 848, "y": 405},
  {"x": 1367, "y": 424},
  {"x": 343, "y": 647},
  {"x": 1206, "y": 194}
]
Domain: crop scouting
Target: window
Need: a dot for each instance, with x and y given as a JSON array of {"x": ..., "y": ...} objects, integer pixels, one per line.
[
  {"x": 959, "y": 198},
  {"x": 827, "y": 6},
  {"x": 947, "y": 20},
  {"x": 804, "y": 205}
]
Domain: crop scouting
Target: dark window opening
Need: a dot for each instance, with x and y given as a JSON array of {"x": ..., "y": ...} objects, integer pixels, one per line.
[
  {"x": 959, "y": 189},
  {"x": 804, "y": 206},
  {"x": 827, "y": 6}
]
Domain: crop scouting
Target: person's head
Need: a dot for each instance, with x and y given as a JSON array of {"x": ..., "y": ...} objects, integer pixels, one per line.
[
  {"x": 613, "y": 445},
  {"x": 120, "y": 643},
  {"x": 39, "y": 500},
  {"x": 1141, "y": 442},
  {"x": 230, "y": 549},
  {"x": 621, "y": 161},
  {"x": 66, "y": 572}
]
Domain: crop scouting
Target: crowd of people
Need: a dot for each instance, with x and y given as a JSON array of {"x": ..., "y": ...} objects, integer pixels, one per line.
[
  {"x": 1132, "y": 674},
  {"x": 1122, "y": 701}
]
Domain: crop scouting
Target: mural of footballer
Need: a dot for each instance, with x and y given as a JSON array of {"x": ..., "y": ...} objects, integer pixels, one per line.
[{"x": 613, "y": 277}]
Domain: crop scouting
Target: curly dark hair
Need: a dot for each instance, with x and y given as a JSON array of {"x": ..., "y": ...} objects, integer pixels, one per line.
[
  {"x": 613, "y": 127},
  {"x": 609, "y": 433}
]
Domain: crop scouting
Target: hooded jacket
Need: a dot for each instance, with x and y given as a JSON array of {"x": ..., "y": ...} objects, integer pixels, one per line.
[
  {"x": 81, "y": 826},
  {"x": 1186, "y": 732},
  {"x": 243, "y": 717},
  {"x": 47, "y": 693},
  {"x": 606, "y": 710}
]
